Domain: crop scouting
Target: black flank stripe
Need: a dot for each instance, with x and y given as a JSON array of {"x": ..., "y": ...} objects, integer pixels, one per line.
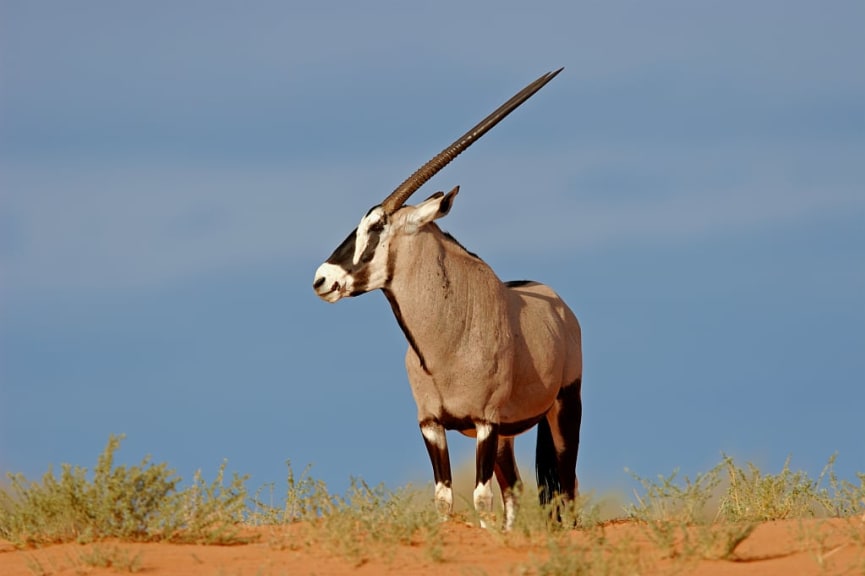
[{"x": 408, "y": 335}]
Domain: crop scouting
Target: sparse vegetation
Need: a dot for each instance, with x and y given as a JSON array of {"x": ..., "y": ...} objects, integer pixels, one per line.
[
  {"x": 118, "y": 558},
  {"x": 753, "y": 496},
  {"x": 136, "y": 503},
  {"x": 684, "y": 520},
  {"x": 366, "y": 522}
]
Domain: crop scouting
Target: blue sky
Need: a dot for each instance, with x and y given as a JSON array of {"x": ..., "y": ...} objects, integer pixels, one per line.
[{"x": 172, "y": 173}]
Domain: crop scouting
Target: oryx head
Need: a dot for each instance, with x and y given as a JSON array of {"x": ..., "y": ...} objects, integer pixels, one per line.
[{"x": 360, "y": 263}]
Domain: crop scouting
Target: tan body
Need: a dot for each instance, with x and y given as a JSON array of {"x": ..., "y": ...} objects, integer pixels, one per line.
[{"x": 491, "y": 352}]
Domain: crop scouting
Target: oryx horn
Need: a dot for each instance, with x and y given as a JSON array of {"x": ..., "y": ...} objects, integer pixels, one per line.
[{"x": 440, "y": 160}]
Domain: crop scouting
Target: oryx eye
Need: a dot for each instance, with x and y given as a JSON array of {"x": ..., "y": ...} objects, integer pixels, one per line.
[{"x": 377, "y": 226}]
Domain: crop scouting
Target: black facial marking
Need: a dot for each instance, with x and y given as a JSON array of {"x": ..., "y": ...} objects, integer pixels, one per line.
[
  {"x": 361, "y": 279},
  {"x": 391, "y": 266},
  {"x": 373, "y": 237},
  {"x": 343, "y": 256},
  {"x": 345, "y": 251},
  {"x": 408, "y": 335}
]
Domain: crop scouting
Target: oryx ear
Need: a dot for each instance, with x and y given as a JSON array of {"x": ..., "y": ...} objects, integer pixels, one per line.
[{"x": 434, "y": 207}]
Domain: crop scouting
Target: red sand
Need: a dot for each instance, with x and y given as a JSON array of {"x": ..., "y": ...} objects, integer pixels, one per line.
[{"x": 774, "y": 548}]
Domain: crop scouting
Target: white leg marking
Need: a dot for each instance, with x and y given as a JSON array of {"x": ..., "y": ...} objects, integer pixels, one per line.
[
  {"x": 444, "y": 498},
  {"x": 511, "y": 505},
  {"x": 483, "y": 498},
  {"x": 483, "y": 431},
  {"x": 435, "y": 435}
]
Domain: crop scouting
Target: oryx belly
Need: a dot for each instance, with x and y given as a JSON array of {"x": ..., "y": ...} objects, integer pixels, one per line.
[{"x": 459, "y": 399}]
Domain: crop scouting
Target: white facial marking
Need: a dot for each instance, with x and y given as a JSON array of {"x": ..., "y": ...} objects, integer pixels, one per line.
[
  {"x": 361, "y": 239},
  {"x": 377, "y": 272},
  {"x": 362, "y": 235},
  {"x": 332, "y": 282},
  {"x": 435, "y": 435},
  {"x": 483, "y": 499}
]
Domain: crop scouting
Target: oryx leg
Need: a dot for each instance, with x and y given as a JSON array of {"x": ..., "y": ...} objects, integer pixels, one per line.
[
  {"x": 437, "y": 447},
  {"x": 509, "y": 478},
  {"x": 485, "y": 460},
  {"x": 564, "y": 419}
]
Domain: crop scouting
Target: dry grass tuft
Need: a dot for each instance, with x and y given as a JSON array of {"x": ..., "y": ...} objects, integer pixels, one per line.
[{"x": 684, "y": 520}]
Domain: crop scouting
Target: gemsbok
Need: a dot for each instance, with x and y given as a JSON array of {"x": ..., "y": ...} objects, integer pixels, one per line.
[{"x": 487, "y": 358}]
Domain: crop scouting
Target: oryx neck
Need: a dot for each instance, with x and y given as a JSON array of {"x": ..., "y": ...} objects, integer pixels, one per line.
[{"x": 441, "y": 294}]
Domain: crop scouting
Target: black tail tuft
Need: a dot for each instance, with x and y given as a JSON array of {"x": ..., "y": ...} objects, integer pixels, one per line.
[{"x": 545, "y": 465}]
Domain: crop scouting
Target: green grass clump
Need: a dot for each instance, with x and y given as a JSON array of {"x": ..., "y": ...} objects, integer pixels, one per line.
[{"x": 137, "y": 503}]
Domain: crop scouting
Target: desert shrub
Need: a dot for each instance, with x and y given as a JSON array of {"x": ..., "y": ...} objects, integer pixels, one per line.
[
  {"x": 711, "y": 515},
  {"x": 370, "y": 521},
  {"x": 117, "y": 558},
  {"x": 845, "y": 499},
  {"x": 681, "y": 522},
  {"x": 365, "y": 522},
  {"x": 569, "y": 558},
  {"x": 119, "y": 501},
  {"x": 757, "y": 497},
  {"x": 140, "y": 502},
  {"x": 206, "y": 513},
  {"x": 671, "y": 500},
  {"x": 689, "y": 520},
  {"x": 306, "y": 498}
]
